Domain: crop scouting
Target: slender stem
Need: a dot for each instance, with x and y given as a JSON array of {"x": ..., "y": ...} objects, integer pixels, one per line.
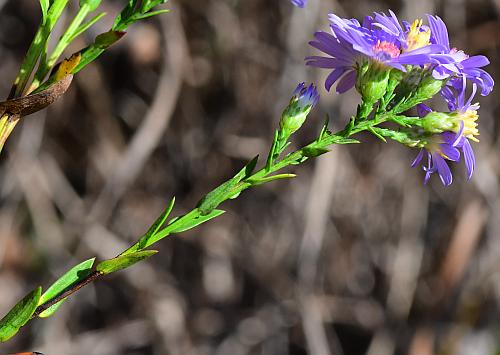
[
  {"x": 46, "y": 65},
  {"x": 37, "y": 47},
  {"x": 74, "y": 288},
  {"x": 291, "y": 158}
]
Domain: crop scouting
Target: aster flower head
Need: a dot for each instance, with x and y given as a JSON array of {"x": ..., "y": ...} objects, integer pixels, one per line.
[
  {"x": 462, "y": 127},
  {"x": 304, "y": 98},
  {"x": 438, "y": 149},
  {"x": 380, "y": 39},
  {"x": 455, "y": 63},
  {"x": 299, "y": 3},
  {"x": 463, "y": 112}
]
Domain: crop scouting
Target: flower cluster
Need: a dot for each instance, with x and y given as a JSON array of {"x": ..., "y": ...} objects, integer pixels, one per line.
[{"x": 396, "y": 66}]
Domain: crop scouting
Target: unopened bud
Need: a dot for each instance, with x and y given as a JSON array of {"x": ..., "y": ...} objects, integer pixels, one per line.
[{"x": 293, "y": 117}]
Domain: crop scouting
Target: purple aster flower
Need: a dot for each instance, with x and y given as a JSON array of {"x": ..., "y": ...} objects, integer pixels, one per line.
[
  {"x": 446, "y": 145},
  {"x": 380, "y": 39},
  {"x": 299, "y": 3},
  {"x": 440, "y": 147},
  {"x": 465, "y": 114},
  {"x": 453, "y": 62}
]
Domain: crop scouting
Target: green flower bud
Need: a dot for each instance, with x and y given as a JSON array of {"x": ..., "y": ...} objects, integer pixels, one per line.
[
  {"x": 293, "y": 117},
  {"x": 427, "y": 88}
]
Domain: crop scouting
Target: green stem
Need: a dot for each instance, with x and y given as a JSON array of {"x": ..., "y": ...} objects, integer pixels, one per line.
[
  {"x": 46, "y": 65},
  {"x": 296, "y": 157},
  {"x": 37, "y": 47}
]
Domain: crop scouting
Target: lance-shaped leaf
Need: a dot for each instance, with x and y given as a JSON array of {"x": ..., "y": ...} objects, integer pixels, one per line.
[
  {"x": 378, "y": 135},
  {"x": 145, "y": 240},
  {"x": 101, "y": 43},
  {"x": 312, "y": 152},
  {"x": 44, "y": 4},
  {"x": 85, "y": 26},
  {"x": 92, "y": 4},
  {"x": 228, "y": 189},
  {"x": 123, "y": 261},
  {"x": 52, "y": 309},
  {"x": 19, "y": 315},
  {"x": 270, "y": 178},
  {"x": 194, "y": 222},
  {"x": 76, "y": 273},
  {"x": 132, "y": 13}
]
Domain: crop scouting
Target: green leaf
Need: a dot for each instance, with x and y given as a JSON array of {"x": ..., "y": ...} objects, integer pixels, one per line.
[
  {"x": 131, "y": 13},
  {"x": 44, "y": 4},
  {"x": 376, "y": 134},
  {"x": 312, "y": 152},
  {"x": 52, "y": 309},
  {"x": 78, "y": 272},
  {"x": 84, "y": 27},
  {"x": 19, "y": 315},
  {"x": 342, "y": 140},
  {"x": 101, "y": 43},
  {"x": 324, "y": 129},
  {"x": 156, "y": 225},
  {"x": 149, "y": 4},
  {"x": 150, "y": 14},
  {"x": 196, "y": 221},
  {"x": 124, "y": 261},
  {"x": 124, "y": 15},
  {"x": 92, "y": 4},
  {"x": 271, "y": 178},
  {"x": 211, "y": 200}
]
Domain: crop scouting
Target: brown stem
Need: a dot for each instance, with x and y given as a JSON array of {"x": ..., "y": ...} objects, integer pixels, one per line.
[{"x": 74, "y": 288}]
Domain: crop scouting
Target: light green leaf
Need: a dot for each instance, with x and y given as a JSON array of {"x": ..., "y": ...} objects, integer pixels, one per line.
[
  {"x": 44, "y": 4},
  {"x": 156, "y": 225},
  {"x": 84, "y": 27},
  {"x": 271, "y": 178},
  {"x": 150, "y": 14},
  {"x": 124, "y": 261},
  {"x": 19, "y": 315},
  {"x": 197, "y": 221},
  {"x": 376, "y": 134},
  {"x": 78, "y": 272},
  {"x": 312, "y": 152},
  {"x": 342, "y": 140},
  {"x": 52, "y": 309},
  {"x": 92, "y": 4},
  {"x": 211, "y": 200},
  {"x": 101, "y": 43}
]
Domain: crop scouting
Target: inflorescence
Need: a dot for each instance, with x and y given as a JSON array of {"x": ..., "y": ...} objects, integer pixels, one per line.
[{"x": 396, "y": 66}]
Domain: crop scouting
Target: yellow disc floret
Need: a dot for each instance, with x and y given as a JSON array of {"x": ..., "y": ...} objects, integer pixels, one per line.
[
  {"x": 416, "y": 38},
  {"x": 433, "y": 145},
  {"x": 469, "y": 119}
]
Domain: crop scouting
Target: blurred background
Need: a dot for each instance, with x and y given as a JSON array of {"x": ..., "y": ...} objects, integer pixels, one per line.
[{"x": 354, "y": 256}]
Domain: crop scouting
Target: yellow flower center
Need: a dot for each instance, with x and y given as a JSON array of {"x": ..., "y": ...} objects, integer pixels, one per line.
[
  {"x": 416, "y": 38},
  {"x": 469, "y": 119},
  {"x": 433, "y": 145}
]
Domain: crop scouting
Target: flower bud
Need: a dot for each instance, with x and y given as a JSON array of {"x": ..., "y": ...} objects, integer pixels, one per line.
[
  {"x": 427, "y": 88},
  {"x": 293, "y": 117}
]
